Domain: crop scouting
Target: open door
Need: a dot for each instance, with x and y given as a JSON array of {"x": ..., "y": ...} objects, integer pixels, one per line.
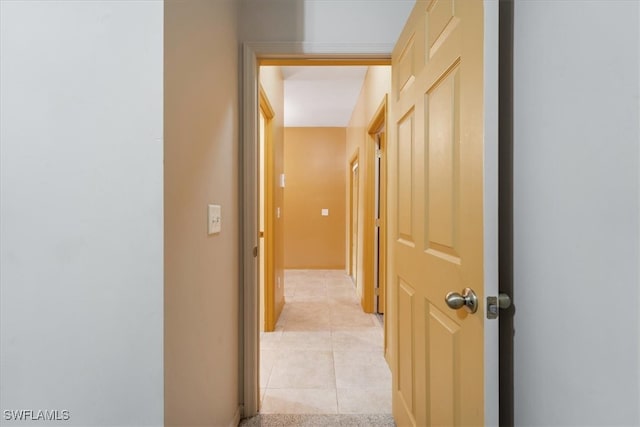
[{"x": 437, "y": 210}]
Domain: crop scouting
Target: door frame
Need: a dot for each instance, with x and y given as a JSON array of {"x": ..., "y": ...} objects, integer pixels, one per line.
[
  {"x": 378, "y": 121},
  {"x": 268, "y": 287},
  {"x": 254, "y": 55},
  {"x": 491, "y": 47}
]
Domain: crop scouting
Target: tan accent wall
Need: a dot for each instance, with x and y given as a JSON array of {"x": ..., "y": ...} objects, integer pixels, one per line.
[
  {"x": 315, "y": 168},
  {"x": 200, "y": 168},
  {"x": 376, "y": 85},
  {"x": 273, "y": 85}
]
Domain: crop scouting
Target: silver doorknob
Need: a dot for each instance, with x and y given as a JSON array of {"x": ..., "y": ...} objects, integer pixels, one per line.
[{"x": 468, "y": 300}]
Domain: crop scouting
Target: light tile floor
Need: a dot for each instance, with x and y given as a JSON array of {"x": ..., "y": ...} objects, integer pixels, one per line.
[{"x": 326, "y": 355}]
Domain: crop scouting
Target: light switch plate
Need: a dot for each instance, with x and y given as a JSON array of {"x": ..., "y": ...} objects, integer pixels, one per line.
[
  {"x": 325, "y": 212},
  {"x": 215, "y": 219},
  {"x": 281, "y": 180}
]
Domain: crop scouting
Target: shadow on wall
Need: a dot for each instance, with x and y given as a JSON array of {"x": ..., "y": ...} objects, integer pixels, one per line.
[
  {"x": 271, "y": 21},
  {"x": 372, "y": 25}
]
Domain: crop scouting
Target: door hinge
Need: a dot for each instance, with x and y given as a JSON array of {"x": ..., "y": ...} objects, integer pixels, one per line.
[
  {"x": 376, "y": 291},
  {"x": 502, "y": 301},
  {"x": 378, "y": 153},
  {"x": 377, "y": 222}
]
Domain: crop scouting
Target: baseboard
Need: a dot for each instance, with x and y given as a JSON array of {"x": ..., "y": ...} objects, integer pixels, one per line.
[{"x": 236, "y": 419}]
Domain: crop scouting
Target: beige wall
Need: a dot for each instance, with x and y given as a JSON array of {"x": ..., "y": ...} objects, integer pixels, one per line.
[
  {"x": 315, "y": 165},
  {"x": 376, "y": 85},
  {"x": 273, "y": 85},
  {"x": 200, "y": 168}
]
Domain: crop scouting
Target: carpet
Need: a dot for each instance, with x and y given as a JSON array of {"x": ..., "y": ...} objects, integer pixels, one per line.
[{"x": 339, "y": 420}]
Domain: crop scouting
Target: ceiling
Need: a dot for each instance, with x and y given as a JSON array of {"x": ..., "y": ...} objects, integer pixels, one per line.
[{"x": 321, "y": 96}]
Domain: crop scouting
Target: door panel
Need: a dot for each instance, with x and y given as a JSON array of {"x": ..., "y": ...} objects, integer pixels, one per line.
[
  {"x": 405, "y": 178},
  {"x": 405, "y": 353},
  {"x": 441, "y": 111},
  {"x": 444, "y": 374},
  {"x": 437, "y": 118}
]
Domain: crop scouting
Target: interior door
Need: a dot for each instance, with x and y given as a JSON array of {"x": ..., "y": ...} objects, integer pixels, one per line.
[{"x": 437, "y": 210}]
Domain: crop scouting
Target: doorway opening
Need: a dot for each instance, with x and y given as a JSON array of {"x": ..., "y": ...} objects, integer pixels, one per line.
[
  {"x": 439, "y": 98},
  {"x": 327, "y": 215}
]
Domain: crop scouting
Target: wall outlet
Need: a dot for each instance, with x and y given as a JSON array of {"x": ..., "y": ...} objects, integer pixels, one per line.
[
  {"x": 215, "y": 219},
  {"x": 281, "y": 180},
  {"x": 325, "y": 212}
]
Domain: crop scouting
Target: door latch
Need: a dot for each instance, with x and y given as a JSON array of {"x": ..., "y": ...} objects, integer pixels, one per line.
[{"x": 495, "y": 303}]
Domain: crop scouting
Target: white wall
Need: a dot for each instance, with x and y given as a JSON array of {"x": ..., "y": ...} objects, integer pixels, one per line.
[
  {"x": 374, "y": 24},
  {"x": 81, "y": 211},
  {"x": 576, "y": 213}
]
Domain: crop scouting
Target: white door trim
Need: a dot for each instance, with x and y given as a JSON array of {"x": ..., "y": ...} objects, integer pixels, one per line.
[
  {"x": 249, "y": 297},
  {"x": 490, "y": 206}
]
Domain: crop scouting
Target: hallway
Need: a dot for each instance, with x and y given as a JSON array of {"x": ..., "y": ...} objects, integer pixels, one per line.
[{"x": 326, "y": 355}]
